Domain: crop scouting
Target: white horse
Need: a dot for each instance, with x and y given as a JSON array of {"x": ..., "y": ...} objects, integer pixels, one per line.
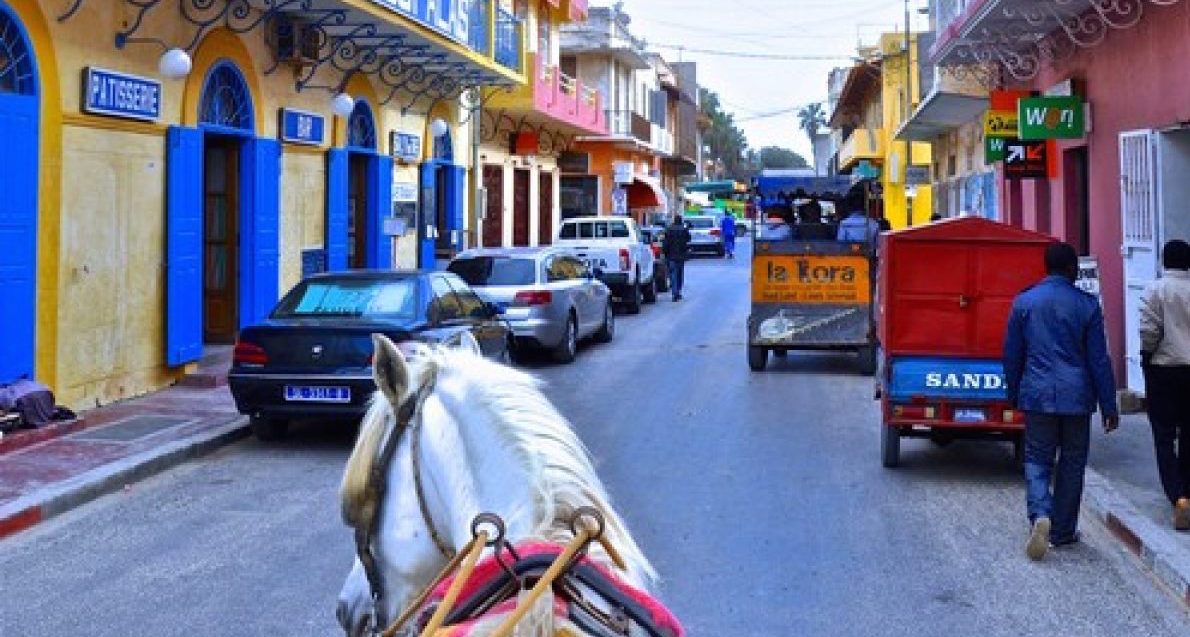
[{"x": 489, "y": 441}]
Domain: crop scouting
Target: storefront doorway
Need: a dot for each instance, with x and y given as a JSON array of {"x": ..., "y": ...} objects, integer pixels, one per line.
[
  {"x": 520, "y": 208},
  {"x": 493, "y": 218},
  {"x": 357, "y": 207},
  {"x": 358, "y": 198},
  {"x": 545, "y": 209},
  {"x": 443, "y": 184},
  {"x": 19, "y": 115},
  {"x": 1078, "y": 210},
  {"x": 221, "y": 238}
]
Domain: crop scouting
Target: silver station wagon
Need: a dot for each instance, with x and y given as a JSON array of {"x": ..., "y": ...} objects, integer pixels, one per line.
[{"x": 550, "y": 299}]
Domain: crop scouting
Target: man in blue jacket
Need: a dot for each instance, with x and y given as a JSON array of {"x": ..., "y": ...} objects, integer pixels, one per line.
[{"x": 1058, "y": 370}]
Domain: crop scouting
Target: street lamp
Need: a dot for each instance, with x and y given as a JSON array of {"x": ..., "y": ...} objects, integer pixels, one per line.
[
  {"x": 174, "y": 64},
  {"x": 342, "y": 105}
]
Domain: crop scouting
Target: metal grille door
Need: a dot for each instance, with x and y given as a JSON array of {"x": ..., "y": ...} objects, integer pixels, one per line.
[{"x": 1138, "y": 209}]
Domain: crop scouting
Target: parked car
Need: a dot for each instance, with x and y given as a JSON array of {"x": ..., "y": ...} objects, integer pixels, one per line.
[
  {"x": 549, "y": 298},
  {"x": 705, "y": 235},
  {"x": 612, "y": 248},
  {"x": 654, "y": 236},
  {"x": 312, "y": 356}
]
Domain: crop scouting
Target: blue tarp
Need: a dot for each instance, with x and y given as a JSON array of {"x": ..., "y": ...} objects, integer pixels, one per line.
[{"x": 769, "y": 188}]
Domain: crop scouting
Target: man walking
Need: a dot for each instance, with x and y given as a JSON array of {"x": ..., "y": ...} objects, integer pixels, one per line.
[
  {"x": 1165, "y": 356},
  {"x": 1057, "y": 370},
  {"x": 676, "y": 244},
  {"x": 727, "y": 227}
]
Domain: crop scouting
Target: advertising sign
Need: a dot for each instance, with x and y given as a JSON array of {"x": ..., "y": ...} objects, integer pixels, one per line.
[
  {"x": 810, "y": 279},
  {"x": 993, "y": 149},
  {"x": 622, "y": 172},
  {"x": 619, "y": 201},
  {"x": 300, "y": 127},
  {"x": 1088, "y": 275},
  {"x": 1051, "y": 118},
  {"x": 120, "y": 95},
  {"x": 969, "y": 379},
  {"x": 917, "y": 175},
  {"x": 1000, "y": 124},
  {"x": 1025, "y": 159}
]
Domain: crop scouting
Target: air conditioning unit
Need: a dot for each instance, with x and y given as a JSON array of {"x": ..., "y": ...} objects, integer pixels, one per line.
[{"x": 294, "y": 41}]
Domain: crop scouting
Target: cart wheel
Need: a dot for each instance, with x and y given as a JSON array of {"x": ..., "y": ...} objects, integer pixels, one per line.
[
  {"x": 890, "y": 446},
  {"x": 1018, "y": 450},
  {"x": 758, "y": 358},
  {"x": 780, "y": 353},
  {"x": 867, "y": 360}
]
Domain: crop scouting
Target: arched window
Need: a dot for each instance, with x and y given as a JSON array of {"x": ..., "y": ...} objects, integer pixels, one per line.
[
  {"x": 226, "y": 100},
  {"x": 361, "y": 129},
  {"x": 442, "y": 147},
  {"x": 16, "y": 59}
]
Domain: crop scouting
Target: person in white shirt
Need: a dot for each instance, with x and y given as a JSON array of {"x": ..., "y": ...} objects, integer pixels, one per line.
[{"x": 1165, "y": 357}]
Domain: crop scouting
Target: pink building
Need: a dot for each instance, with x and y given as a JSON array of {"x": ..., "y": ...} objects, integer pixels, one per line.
[{"x": 1122, "y": 190}]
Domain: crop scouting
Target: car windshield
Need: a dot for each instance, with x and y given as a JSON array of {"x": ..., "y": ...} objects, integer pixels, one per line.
[
  {"x": 351, "y": 298},
  {"x": 482, "y": 271},
  {"x": 701, "y": 223}
]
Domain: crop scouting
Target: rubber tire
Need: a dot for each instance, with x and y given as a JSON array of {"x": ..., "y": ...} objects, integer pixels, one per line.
[
  {"x": 268, "y": 429},
  {"x": 633, "y": 301},
  {"x": 566, "y": 350},
  {"x": 662, "y": 283},
  {"x": 868, "y": 362},
  {"x": 890, "y": 446},
  {"x": 650, "y": 291},
  {"x": 758, "y": 358},
  {"x": 1018, "y": 451},
  {"x": 607, "y": 331}
]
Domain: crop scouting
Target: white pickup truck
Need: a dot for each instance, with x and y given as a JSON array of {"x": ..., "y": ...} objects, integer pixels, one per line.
[{"x": 612, "y": 247}]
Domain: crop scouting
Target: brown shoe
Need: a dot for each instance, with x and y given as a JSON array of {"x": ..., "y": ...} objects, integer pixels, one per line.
[
  {"x": 1039, "y": 539},
  {"x": 1181, "y": 514}
]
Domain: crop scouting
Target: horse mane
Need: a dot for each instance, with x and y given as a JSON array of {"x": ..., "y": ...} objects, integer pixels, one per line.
[{"x": 537, "y": 434}]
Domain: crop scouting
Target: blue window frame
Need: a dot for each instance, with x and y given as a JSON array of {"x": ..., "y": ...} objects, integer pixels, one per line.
[
  {"x": 17, "y": 74},
  {"x": 226, "y": 101},
  {"x": 361, "y": 128},
  {"x": 443, "y": 148}
]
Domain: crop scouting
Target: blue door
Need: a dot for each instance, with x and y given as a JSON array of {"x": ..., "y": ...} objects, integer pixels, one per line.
[
  {"x": 455, "y": 183},
  {"x": 380, "y": 201},
  {"x": 427, "y": 231},
  {"x": 259, "y": 229},
  {"x": 336, "y": 210},
  {"x": 18, "y": 234},
  {"x": 184, "y": 247}
]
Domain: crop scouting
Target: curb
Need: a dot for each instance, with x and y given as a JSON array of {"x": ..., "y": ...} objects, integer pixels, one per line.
[
  {"x": 54, "y": 500},
  {"x": 1152, "y": 544}
]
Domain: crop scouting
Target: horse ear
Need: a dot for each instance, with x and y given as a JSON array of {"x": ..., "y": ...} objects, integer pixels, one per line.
[
  {"x": 464, "y": 341},
  {"x": 389, "y": 369}
]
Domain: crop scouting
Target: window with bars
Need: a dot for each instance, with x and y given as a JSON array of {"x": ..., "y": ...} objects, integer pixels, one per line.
[{"x": 226, "y": 100}]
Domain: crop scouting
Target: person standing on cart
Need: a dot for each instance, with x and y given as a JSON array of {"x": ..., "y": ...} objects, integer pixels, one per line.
[
  {"x": 1057, "y": 371},
  {"x": 676, "y": 245}
]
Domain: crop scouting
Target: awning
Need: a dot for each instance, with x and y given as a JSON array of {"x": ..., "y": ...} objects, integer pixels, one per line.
[
  {"x": 645, "y": 192},
  {"x": 939, "y": 113}
]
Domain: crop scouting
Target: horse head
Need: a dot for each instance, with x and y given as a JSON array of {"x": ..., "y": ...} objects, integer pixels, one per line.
[{"x": 448, "y": 435}]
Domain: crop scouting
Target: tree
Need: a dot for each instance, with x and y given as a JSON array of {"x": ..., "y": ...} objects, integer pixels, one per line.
[
  {"x": 726, "y": 141},
  {"x": 777, "y": 157},
  {"x": 810, "y": 119}
]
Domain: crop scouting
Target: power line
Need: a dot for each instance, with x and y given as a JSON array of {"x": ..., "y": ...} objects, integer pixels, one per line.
[{"x": 756, "y": 56}]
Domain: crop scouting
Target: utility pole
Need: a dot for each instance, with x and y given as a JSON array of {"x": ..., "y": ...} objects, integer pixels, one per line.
[{"x": 907, "y": 104}]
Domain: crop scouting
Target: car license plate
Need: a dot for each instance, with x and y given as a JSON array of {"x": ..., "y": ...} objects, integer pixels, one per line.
[
  {"x": 306, "y": 394},
  {"x": 970, "y": 415}
]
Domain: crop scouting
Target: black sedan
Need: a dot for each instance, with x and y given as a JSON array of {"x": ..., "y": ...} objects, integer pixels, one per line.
[{"x": 312, "y": 357}]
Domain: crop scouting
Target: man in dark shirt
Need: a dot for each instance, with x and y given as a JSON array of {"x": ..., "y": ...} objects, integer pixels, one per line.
[
  {"x": 1057, "y": 371},
  {"x": 676, "y": 245}
]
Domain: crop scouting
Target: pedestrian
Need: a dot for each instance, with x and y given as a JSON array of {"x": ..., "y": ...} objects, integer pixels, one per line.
[
  {"x": 727, "y": 227},
  {"x": 1165, "y": 358},
  {"x": 676, "y": 245},
  {"x": 1057, "y": 371},
  {"x": 856, "y": 224}
]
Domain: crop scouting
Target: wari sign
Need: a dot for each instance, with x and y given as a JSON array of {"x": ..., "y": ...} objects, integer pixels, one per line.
[
  {"x": 404, "y": 146},
  {"x": 1025, "y": 159},
  {"x": 836, "y": 280},
  {"x": 993, "y": 149},
  {"x": 1000, "y": 124},
  {"x": 120, "y": 95},
  {"x": 300, "y": 127},
  {"x": 1051, "y": 118}
]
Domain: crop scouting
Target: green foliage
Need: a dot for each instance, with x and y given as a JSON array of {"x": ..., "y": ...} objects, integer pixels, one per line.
[
  {"x": 726, "y": 141},
  {"x": 777, "y": 157}
]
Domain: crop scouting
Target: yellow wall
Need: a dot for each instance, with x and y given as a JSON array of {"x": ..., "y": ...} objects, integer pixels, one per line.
[
  {"x": 101, "y": 219},
  {"x": 894, "y": 111}
]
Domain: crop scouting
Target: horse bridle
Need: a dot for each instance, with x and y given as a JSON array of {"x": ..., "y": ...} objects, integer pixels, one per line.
[{"x": 408, "y": 419}]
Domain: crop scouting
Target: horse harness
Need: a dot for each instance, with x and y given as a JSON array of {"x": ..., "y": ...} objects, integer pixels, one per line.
[{"x": 377, "y": 487}]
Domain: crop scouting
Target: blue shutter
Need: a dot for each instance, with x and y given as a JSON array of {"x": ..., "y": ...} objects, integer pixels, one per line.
[
  {"x": 260, "y": 224},
  {"x": 336, "y": 209},
  {"x": 18, "y": 235},
  {"x": 380, "y": 203},
  {"x": 456, "y": 196},
  {"x": 183, "y": 250},
  {"x": 428, "y": 219}
]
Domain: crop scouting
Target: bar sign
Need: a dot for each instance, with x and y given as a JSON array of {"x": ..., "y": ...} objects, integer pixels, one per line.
[
  {"x": 300, "y": 127},
  {"x": 120, "y": 95}
]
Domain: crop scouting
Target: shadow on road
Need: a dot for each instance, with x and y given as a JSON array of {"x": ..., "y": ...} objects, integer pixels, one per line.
[{"x": 834, "y": 363}]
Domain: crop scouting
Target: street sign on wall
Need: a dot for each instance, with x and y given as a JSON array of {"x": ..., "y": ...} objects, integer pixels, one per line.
[
  {"x": 993, "y": 149},
  {"x": 1025, "y": 159},
  {"x": 1051, "y": 118},
  {"x": 917, "y": 175},
  {"x": 300, "y": 127},
  {"x": 120, "y": 94},
  {"x": 1000, "y": 124}
]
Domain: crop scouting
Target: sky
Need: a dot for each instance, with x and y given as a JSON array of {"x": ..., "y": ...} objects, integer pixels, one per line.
[{"x": 751, "y": 87}]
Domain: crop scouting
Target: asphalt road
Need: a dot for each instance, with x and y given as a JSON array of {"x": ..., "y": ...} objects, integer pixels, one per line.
[{"x": 759, "y": 497}]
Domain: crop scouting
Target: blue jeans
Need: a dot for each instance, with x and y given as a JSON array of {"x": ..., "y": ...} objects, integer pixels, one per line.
[
  {"x": 1068, "y": 437},
  {"x": 677, "y": 275}
]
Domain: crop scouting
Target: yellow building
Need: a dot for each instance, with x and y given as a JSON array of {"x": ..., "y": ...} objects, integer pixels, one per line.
[
  {"x": 170, "y": 168},
  {"x": 878, "y": 95}
]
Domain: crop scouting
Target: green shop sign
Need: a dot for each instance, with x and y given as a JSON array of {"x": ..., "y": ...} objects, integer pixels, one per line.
[
  {"x": 1051, "y": 118},
  {"x": 993, "y": 149}
]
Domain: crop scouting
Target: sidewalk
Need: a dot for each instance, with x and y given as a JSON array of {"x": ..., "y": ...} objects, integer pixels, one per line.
[
  {"x": 45, "y": 472},
  {"x": 1124, "y": 492}
]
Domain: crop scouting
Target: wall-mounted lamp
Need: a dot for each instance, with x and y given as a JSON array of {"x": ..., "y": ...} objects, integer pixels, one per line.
[
  {"x": 342, "y": 105},
  {"x": 439, "y": 127},
  {"x": 174, "y": 64}
]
